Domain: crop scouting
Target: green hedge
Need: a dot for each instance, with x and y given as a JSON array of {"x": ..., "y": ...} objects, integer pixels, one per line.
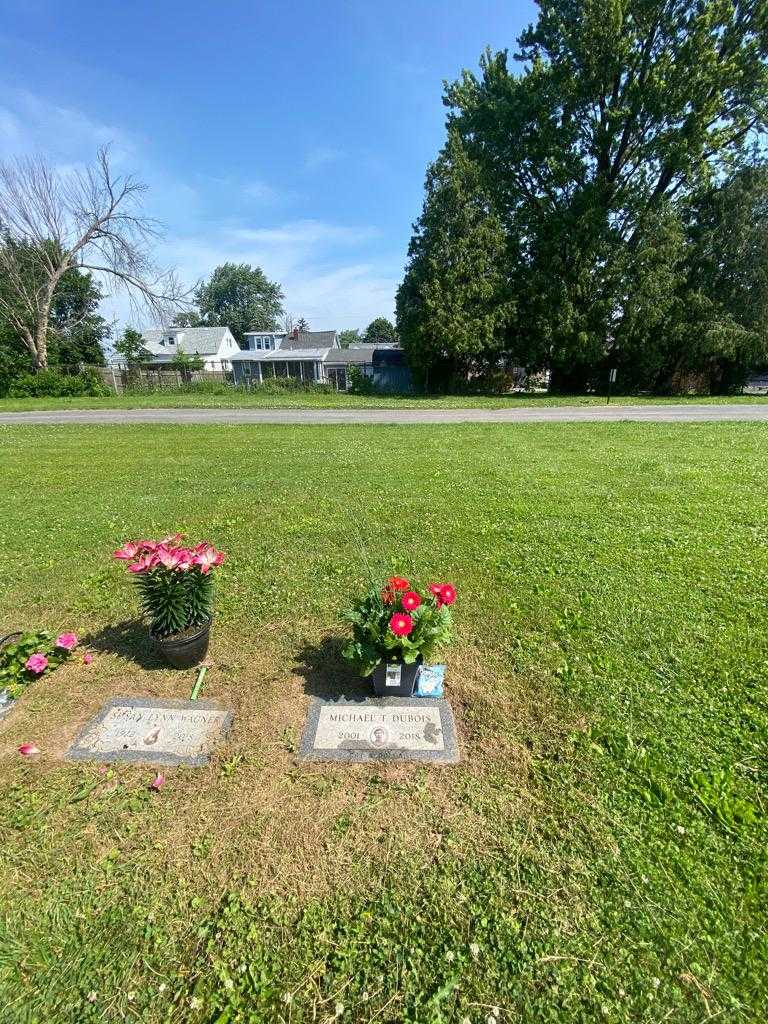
[{"x": 53, "y": 384}]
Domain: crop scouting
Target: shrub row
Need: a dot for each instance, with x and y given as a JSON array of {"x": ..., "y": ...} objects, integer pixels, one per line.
[{"x": 53, "y": 384}]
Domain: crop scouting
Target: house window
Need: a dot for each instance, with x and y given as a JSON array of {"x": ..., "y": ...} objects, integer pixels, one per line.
[{"x": 258, "y": 343}]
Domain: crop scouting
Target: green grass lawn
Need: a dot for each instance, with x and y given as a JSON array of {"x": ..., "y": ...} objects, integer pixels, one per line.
[
  {"x": 307, "y": 400},
  {"x": 598, "y": 855}
]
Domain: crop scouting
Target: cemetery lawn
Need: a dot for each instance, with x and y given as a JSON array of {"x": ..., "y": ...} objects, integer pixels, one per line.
[{"x": 600, "y": 854}]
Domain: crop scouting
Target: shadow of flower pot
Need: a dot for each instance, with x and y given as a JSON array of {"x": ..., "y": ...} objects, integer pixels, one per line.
[
  {"x": 128, "y": 639},
  {"x": 327, "y": 674}
]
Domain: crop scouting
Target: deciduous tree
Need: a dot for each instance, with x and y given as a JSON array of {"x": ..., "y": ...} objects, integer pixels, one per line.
[
  {"x": 54, "y": 221},
  {"x": 240, "y": 297}
]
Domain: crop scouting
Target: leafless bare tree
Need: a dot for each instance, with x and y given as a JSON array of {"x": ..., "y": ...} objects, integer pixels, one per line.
[{"x": 52, "y": 221}]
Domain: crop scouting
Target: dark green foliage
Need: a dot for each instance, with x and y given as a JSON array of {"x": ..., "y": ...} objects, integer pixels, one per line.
[
  {"x": 349, "y": 337},
  {"x": 380, "y": 330},
  {"x": 290, "y": 385},
  {"x": 456, "y": 306},
  {"x": 131, "y": 348},
  {"x": 239, "y": 297},
  {"x": 302, "y": 324},
  {"x": 590, "y": 179},
  {"x": 52, "y": 383},
  {"x": 360, "y": 383},
  {"x": 173, "y": 600},
  {"x": 76, "y": 332}
]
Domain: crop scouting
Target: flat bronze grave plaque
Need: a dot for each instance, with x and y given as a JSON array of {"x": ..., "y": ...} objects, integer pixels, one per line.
[
  {"x": 158, "y": 732},
  {"x": 380, "y": 729}
]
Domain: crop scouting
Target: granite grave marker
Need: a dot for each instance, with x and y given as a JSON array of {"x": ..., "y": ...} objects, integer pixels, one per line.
[
  {"x": 158, "y": 732},
  {"x": 380, "y": 729}
]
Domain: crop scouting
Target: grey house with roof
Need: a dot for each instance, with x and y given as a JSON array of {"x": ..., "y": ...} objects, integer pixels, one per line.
[
  {"x": 214, "y": 345},
  {"x": 304, "y": 355}
]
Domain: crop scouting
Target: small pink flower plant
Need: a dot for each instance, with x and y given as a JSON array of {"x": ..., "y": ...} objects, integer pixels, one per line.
[
  {"x": 31, "y": 656},
  {"x": 36, "y": 663},
  {"x": 174, "y": 581}
]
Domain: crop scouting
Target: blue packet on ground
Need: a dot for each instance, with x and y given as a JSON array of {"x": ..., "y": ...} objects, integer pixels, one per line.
[{"x": 429, "y": 681}]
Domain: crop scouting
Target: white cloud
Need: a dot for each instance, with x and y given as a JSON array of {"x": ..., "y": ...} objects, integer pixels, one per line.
[
  {"x": 29, "y": 124},
  {"x": 329, "y": 272},
  {"x": 304, "y": 257}
]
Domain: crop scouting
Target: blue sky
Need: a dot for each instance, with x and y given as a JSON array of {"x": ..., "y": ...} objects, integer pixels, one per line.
[{"x": 291, "y": 135}]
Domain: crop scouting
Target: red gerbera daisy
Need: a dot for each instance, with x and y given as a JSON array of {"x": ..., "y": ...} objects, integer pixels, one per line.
[
  {"x": 447, "y": 593},
  {"x": 397, "y": 583},
  {"x": 400, "y": 624},
  {"x": 411, "y": 600}
]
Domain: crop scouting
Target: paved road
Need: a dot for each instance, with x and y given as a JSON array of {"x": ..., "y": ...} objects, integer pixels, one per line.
[{"x": 543, "y": 414}]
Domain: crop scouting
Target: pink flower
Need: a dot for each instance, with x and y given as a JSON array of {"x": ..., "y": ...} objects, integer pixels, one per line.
[
  {"x": 148, "y": 545},
  {"x": 66, "y": 641},
  {"x": 401, "y": 625},
  {"x": 28, "y": 748},
  {"x": 87, "y": 659},
  {"x": 167, "y": 557},
  {"x": 208, "y": 558},
  {"x": 411, "y": 600},
  {"x": 157, "y": 782},
  {"x": 147, "y": 561},
  {"x": 127, "y": 551},
  {"x": 445, "y": 593},
  {"x": 186, "y": 559},
  {"x": 172, "y": 540},
  {"x": 36, "y": 663}
]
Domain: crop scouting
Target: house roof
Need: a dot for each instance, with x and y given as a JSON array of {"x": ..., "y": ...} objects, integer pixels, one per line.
[
  {"x": 204, "y": 341},
  {"x": 278, "y": 355},
  {"x": 355, "y": 354},
  {"x": 309, "y": 339}
]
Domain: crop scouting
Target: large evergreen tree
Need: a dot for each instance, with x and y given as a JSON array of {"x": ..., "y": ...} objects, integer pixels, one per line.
[
  {"x": 455, "y": 307},
  {"x": 624, "y": 112}
]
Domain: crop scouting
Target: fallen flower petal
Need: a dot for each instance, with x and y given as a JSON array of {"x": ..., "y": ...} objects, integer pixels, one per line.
[
  {"x": 157, "y": 782},
  {"x": 28, "y": 748},
  {"x": 87, "y": 659}
]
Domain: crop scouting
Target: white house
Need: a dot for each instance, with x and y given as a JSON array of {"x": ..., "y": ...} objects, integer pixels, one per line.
[
  {"x": 315, "y": 356},
  {"x": 215, "y": 345}
]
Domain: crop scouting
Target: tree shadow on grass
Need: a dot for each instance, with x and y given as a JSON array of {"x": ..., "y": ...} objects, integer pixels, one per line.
[
  {"x": 128, "y": 639},
  {"x": 329, "y": 676}
]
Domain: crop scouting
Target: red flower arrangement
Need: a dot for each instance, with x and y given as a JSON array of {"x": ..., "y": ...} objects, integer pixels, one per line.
[{"x": 398, "y": 622}]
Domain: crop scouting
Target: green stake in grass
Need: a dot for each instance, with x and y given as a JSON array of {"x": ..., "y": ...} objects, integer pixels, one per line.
[{"x": 198, "y": 682}]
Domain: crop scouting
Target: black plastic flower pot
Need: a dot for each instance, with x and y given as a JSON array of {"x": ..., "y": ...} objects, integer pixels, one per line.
[
  {"x": 186, "y": 650},
  {"x": 395, "y": 678}
]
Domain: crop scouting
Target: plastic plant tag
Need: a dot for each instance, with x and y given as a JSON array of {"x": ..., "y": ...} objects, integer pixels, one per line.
[
  {"x": 394, "y": 673},
  {"x": 429, "y": 681}
]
